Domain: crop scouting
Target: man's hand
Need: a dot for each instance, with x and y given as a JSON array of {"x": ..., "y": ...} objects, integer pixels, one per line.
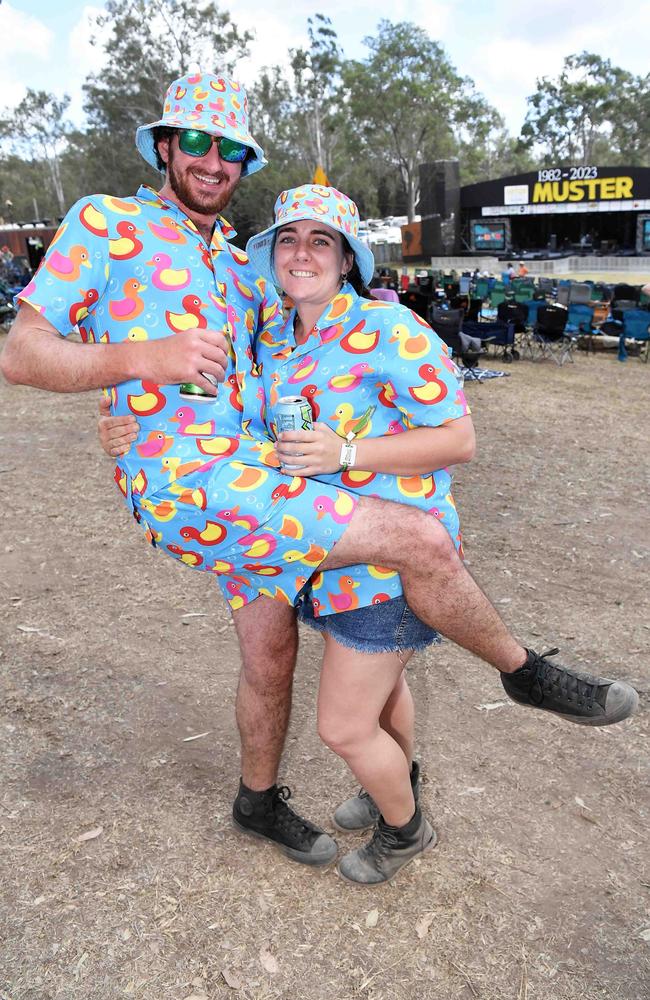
[
  {"x": 184, "y": 357},
  {"x": 36, "y": 354},
  {"x": 115, "y": 433},
  {"x": 317, "y": 452}
]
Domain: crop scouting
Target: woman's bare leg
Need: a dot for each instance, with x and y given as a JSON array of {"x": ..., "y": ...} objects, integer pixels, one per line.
[
  {"x": 354, "y": 690},
  {"x": 398, "y": 714},
  {"x": 437, "y": 586}
]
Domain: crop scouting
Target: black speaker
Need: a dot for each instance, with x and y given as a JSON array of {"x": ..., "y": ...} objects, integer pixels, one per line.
[
  {"x": 431, "y": 236},
  {"x": 439, "y": 188}
]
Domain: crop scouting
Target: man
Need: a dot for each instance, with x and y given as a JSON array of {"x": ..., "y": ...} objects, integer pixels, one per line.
[{"x": 162, "y": 277}]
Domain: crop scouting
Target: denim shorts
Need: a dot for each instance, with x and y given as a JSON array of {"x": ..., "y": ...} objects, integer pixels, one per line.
[{"x": 388, "y": 627}]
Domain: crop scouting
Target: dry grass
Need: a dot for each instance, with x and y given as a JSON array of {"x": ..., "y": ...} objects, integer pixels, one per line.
[{"x": 539, "y": 888}]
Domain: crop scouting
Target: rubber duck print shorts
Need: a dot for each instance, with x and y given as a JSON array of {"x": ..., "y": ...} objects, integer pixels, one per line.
[{"x": 259, "y": 532}]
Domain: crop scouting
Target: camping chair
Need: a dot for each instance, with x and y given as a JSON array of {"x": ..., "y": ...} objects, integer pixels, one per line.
[
  {"x": 636, "y": 327},
  {"x": 579, "y": 293},
  {"x": 546, "y": 285},
  {"x": 580, "y": 324},
  {"x": 482, "y": 288},
  {"x": 447, "y": 323},
  {"x": 473, "y": 311},
  {"x": 438, "y": 314},
  {"x": 516, "y": 314},
  {"x": 628, "y": 293},
  {"x": 524, "y": 291},
  {"x": 619, "y": 306},
  {"x": 497, "y": 334},
  {"x": 497, "y": 294},
  {"x": 549, "y": 337},
  {"x": 563, "y": 292}
]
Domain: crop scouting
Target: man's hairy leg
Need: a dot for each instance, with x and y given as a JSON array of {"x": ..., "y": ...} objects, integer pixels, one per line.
[
  {"x": 437, "y": 586},
  {"x": 268, "y": 638}
]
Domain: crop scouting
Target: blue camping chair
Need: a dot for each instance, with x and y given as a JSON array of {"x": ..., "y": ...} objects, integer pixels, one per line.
[
  {"x": 498, "y": 334},
  {"x": 580, "y": 324},
  {"x": 635, "y": 327}
]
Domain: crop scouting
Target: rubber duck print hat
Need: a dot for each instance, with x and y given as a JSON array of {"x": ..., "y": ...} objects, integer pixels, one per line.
[
  {"x": 211, "y": 104},
  {"x": 321, "y": 204}
]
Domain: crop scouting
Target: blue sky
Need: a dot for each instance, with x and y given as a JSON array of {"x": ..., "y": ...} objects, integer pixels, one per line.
[{"x": 502, "y": 45}]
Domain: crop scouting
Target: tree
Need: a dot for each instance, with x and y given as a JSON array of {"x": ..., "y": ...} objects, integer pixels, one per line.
[
  {"x": 407, "y": 103},
  {"x": 37, "y": 129},
  {"x": 631, "y": 123},
  {"x": 316, "y": 80},
  {"x": 570, "y": 116},
  {"x": 149, "y": 43}
]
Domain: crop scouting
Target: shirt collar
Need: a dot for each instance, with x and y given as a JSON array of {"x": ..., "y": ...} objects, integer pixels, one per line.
[
  {"x": 222, "y": 227},
  {"x": 335, "y": 312}
]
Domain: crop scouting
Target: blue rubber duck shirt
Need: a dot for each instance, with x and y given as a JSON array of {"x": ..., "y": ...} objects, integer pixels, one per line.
[
  {"x": 365, "y": 354},
  {"x": 202, "y": 478}
]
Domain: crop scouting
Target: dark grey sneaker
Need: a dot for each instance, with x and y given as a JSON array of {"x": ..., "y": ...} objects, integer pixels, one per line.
[
  {"x": 389, "y": 850},
  {"x": 576, "y": 697},
  {"x": 267, "y": 815},
  {"x": 361, "y": 812}
]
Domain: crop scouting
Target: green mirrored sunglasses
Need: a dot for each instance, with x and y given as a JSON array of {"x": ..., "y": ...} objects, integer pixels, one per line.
[{"x": 197, "y": 143}]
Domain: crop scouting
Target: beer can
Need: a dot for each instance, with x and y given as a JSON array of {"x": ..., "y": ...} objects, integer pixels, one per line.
[
  {"x": 188, "y": 390},
  {"x": 293, "y": 413}
]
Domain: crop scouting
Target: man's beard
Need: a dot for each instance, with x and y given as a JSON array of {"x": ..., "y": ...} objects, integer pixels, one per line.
[{"x": 204, "y": 203}]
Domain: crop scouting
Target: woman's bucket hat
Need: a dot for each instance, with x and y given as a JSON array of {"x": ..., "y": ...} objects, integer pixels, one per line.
[
  {"x": 322, "y": 204},
  {"x": 210, "y": 103}
]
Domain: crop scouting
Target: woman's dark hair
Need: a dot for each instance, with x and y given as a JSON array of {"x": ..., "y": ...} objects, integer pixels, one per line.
[
  {"x": 158, "y": 133},
  {"x": 354, "y": 274}
]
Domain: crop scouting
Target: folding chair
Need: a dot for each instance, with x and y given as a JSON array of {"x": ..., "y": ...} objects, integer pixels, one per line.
[
  {"x": 636, "y": 327},
  {"x": 447, "y": 323},
  {"x": 495, "y": 334},
  {"x": 481, "y": 291},
  {"x": 563, "y": 292},
  {"x": 549, "y": 336},
  {"x": 515, "y": 313},
  {"x": 628, "y": 293},
  {"x": 524, "y": 292},
  {"x": 580, "y": 293},
  {"x": 580, "y": 324},
  {"x": 497, "y": 294}
]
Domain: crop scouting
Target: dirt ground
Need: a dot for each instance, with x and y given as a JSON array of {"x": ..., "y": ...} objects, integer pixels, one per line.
[{"x": 121, "y": 874}]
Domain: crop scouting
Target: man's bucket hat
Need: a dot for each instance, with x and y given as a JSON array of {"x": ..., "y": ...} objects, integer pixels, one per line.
[
  {"x": 210, "y": 103},
  {"x": 318, "y": 203}
]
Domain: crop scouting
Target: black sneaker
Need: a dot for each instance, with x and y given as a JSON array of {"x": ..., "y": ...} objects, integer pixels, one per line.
[
  {"x": 576, "y": 697},
  {"x": 389, "y": 850},
  {"x": 267, "y": 815},
  {"x": 361, "y": 811}
]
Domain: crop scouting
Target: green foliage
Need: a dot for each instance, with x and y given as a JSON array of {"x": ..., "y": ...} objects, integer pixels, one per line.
[
  {"x": 631, "y": 123},
  {"x": 22, "y": 185},
  {"x": 368, "y": 123},
  {"x": 36, "y": 130},
  {"x": 568, "y": 116},
  {"x": 406, "y": 103}
]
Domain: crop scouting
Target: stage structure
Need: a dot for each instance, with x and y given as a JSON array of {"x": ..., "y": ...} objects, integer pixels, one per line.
[{"x": 551, "y": 212}]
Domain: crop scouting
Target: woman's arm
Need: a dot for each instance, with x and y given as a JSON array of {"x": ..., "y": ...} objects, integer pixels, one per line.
[
  {"x": 115, "y": 433},
  {"x": 410, "y": 453}
]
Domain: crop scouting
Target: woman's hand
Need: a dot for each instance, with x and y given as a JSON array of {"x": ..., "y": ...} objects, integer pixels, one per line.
[
  {"x": 317, "y": 452},
  {"x": 115, "y": 433}
]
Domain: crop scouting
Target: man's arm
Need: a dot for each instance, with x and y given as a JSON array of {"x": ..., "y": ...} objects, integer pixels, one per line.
[{"x": 36, "y": 354}]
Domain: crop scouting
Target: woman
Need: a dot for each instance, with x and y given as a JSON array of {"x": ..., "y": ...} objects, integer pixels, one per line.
[{"x": 398, "y": 413}]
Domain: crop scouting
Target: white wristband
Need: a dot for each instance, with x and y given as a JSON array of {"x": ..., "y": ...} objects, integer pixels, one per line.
[{"x": 348, "y": 455}]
